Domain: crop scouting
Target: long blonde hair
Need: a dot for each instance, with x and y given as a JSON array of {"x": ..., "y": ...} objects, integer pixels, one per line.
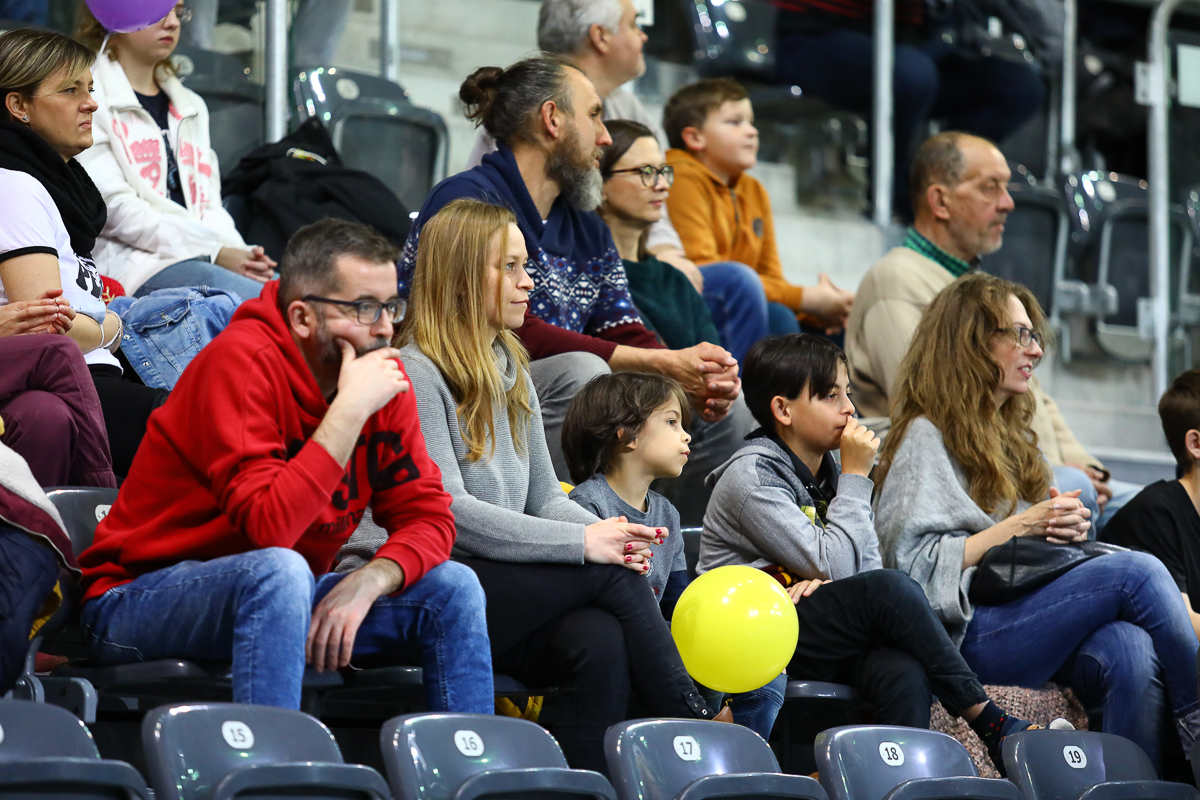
[
  {"x": 448, "y": 319},
  {"x": 949, "y": 376}
]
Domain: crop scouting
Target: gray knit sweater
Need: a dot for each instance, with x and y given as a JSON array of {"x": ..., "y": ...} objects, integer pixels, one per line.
[
  {"x": 509, "y": 507},
  {"x": 923, "y": 515},
  {"x": 761, "y": 515}
]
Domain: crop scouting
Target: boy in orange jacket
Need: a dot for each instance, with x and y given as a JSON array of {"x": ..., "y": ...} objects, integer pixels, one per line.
[{"x": 723, "y": 214}]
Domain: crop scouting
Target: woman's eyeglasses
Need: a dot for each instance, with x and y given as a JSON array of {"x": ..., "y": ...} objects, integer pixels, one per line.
[
  {"x": 1024, "y": 335},
  {"x": 650, "y": 174}
]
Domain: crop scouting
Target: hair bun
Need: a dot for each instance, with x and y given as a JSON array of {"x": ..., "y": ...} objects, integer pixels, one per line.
[{"x": 478, "y": 92}]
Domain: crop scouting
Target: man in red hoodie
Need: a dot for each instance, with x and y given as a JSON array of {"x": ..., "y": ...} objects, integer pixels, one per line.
[{"x": 255, "y": 472}]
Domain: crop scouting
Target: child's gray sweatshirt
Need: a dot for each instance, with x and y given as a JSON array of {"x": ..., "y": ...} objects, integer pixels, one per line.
[{"x": 761, "y": 515}]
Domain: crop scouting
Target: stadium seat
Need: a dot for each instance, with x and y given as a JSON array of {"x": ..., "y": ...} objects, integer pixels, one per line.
[
  {"x": 1084, "y": 765},
  {"x": 223, "y": 750},
  {"x": 676, "y": 759},
  {"x": 235, "y": 105},
  {"x": 470, "y": 756},
  {"x": 1035, "y": 239},
  {"x": 46, "y": 752},
  {"x": 1111, "y": 278},
  {"x": 377, "y": 129},
  {"x": 878, "y": 761}
]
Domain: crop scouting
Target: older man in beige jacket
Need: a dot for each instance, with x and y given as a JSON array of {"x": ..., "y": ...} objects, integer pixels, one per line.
[{"x": 961, "y": 201}]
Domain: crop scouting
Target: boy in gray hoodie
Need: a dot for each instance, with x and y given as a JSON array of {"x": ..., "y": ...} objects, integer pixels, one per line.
[{"x": 783, "y": 505}]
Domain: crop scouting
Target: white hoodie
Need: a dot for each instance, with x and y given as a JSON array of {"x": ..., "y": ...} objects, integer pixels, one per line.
[{"x": 146, "y": 230}]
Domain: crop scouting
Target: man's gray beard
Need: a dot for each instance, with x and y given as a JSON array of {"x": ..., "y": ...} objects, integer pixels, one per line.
[{"x": 577, "y": 176}]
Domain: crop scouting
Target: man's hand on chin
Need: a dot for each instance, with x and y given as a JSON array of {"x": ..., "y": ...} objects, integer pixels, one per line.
[{"x": 336, "y": 619}]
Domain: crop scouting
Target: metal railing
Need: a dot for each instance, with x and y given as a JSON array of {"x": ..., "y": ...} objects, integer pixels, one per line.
[
  {"x": 277, "y": 66},
  {"x": 883, "y": 146}
]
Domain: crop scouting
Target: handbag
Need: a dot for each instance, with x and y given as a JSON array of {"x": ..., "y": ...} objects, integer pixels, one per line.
[{"x": 1025, "y": 563}]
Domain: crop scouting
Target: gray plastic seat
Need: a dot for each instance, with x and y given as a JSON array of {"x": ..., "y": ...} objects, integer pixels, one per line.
[
  {"x": 377, "y": 129},
  {"x": 1035, "y": 240},
  {"x": 678, "y": 759},
  {"x": 873, "y": 762},
  {"x": 469, "y": 756},
  {"x": 1085, "y": 765},
  {"x": 47, "y": 752},
  {"x": 223, "y": 750}
]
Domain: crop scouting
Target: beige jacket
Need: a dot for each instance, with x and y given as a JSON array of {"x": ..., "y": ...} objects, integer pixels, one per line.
[{"x": 886, "y": 310}]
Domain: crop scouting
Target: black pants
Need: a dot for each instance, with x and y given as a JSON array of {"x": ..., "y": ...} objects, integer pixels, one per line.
[
  {"x": 876, "y": 632},
  {"x": 126, "y": 405},
  {"x": 595, "y": 632}
]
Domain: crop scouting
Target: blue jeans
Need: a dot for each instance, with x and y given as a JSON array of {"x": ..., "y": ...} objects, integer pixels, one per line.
[
  {"x": 200, "y": 273},
  {"x": 1115, "y": 630},
  {"x": 735, "y": 296},
  {"x": 781, "y": 319},
  {"x": 758, "y": 709},
  {"x": 254, "y": 608}
]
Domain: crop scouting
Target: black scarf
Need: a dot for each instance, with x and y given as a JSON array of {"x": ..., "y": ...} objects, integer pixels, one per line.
[{"x": 77, "y": 198}]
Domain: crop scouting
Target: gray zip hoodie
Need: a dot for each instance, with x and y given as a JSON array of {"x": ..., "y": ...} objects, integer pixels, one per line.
[{"x": 761, "y": 514}]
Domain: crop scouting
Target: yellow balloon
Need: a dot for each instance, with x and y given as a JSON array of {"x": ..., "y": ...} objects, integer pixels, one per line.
[{"x": 736, "y": 629}]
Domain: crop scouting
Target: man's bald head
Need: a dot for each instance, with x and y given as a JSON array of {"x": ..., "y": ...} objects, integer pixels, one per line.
[
  {"x": 960, "y": 194},
  {"x": 942, "y": 160}
]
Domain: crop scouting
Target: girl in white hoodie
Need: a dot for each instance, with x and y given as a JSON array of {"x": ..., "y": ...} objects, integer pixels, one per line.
[{"x": 157, "y": 172}]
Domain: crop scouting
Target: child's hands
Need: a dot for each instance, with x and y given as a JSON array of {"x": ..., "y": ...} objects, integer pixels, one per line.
[
  {"x": 859, "y": 446},
  {"x": 618, "y": 541},
  {"x": 804, "y": 589}
]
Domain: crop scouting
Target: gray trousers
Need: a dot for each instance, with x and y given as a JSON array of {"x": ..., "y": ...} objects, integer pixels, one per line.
[{"x": 559, "y": 378}]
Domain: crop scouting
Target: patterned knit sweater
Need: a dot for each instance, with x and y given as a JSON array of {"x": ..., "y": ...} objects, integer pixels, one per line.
[{"x": 580, "y": 299}]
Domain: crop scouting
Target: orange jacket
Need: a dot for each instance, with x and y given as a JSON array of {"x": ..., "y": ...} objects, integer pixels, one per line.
[{"x": 718, "y": 222}]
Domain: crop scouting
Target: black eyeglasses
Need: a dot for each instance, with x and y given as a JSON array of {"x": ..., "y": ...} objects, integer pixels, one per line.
[
  {"x": 650, "y": 174},
  {"x": 1024, "y": 335},
  {"x": 367, "y": 312}
]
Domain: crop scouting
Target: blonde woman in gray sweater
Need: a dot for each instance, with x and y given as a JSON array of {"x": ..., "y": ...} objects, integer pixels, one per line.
[
  {"x": 567, "y": 601},
  {"x": 961, "y": 472}
]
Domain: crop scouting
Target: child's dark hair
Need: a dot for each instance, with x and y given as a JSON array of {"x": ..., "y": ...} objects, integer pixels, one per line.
[
  {"x": 782, "y": 366},
  {"x": 1179, "y": 410},
  {"x": 610, "y": 412}
]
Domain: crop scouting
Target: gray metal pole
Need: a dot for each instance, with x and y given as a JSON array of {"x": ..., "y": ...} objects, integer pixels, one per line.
[
  {"x": 1160, "y": 192},
  {"x": 389, "y": 40},
  {"x": 277, "y": 69},
  {"x": 883, "y": 146},
  {"x": 1068, "y": 155}
]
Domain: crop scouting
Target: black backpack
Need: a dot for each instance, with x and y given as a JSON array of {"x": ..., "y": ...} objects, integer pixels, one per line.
[{"x": 279, "y": 188}]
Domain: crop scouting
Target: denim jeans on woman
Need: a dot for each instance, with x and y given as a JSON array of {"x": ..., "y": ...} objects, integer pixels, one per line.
[
  {"x": 196, "y": 272},
  {"x": 1115, "y": 630},
  {"x": 254, "y": 609}
]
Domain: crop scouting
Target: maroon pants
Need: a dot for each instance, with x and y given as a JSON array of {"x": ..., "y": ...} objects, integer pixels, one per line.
[{"x": 51, "y": 413}]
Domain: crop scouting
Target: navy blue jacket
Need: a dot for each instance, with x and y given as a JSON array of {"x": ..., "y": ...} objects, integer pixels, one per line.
[{"x": 580, "y": 299}]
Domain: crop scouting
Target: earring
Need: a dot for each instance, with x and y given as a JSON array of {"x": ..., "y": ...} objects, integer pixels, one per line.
[{"x": 25, "y": 118}]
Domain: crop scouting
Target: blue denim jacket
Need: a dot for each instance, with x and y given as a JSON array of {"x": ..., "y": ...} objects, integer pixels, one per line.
[{"x": 167, "y": 328}]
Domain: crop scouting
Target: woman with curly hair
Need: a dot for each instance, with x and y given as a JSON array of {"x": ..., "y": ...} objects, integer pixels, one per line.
[{"x": 960, "y": 473}]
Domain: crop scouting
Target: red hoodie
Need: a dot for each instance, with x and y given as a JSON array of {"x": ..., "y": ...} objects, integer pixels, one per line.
[{"x": 228, "y": 466}]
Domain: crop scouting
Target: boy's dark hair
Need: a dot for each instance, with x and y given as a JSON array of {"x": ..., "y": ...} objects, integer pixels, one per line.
[
  {"x": 610, "y": 412},
  {"x": 1179, "y": 410},
  {"x": 309, "y": 263},
  {"x": 690, "y": 106},
  {"x": 782, "y": 366}
]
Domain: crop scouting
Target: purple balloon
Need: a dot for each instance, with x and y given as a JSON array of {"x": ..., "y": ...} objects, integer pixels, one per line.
[{"x": 127, "y": 16}]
